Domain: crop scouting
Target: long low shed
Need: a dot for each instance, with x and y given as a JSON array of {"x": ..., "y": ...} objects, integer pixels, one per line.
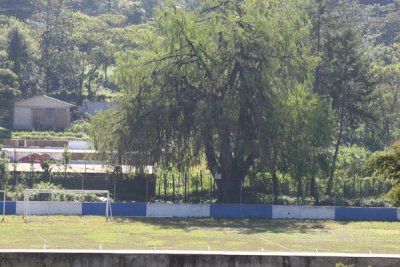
[{"x": 205, "y": 210}]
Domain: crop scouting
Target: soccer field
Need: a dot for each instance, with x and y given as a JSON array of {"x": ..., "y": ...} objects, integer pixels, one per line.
[{"x": 73, "y": 232}]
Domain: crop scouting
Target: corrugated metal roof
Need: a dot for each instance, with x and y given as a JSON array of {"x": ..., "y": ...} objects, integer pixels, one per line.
[{"x": 43, "y": 101}]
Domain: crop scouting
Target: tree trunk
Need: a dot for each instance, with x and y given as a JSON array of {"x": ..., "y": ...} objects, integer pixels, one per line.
[
  {"x": 335, "y": 155},
  {"x": 314, "y": 189},
  {"x": 165, "y": 187},
  {"x": 275, "y": 190},
  {"x": 299, "y": 189},
  {"x": 274, "y": 187},
  {"x": 231, "y": 174},
  {"x": 173, "y": 188}
]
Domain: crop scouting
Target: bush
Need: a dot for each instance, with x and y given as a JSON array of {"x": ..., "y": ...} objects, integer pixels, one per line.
[
  {"x": 332, "y": 201},
  {"x": 340, "y": 264},
  {"x": 394, "y": 196},
  {"x": 258, "y": 198},
  {"x": 286, "y": 200},
  {"x": 79, "y": 126},
  {"x": 368, "y": 202}
]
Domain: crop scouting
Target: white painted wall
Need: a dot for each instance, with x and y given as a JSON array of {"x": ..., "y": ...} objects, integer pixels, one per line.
[
  {"x": 80, "y": 145},
  {"x": 50, "y": 208},
  {"x": 178, "y": 210},
  {"x": 23, "y": 118},
  {"x": 303, "y": 212}
]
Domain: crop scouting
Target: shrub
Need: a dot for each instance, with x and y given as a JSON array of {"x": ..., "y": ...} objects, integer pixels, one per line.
[
  {"x": 79, "y": 126},
  {"x": 394, "y": 196}
]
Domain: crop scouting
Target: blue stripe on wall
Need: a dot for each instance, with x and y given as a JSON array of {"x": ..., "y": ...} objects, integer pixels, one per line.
[
  {"x": 117, "y": 209},
  {"x": 11, "y": 207},
  {"x": 129, "y": 209},
  {"x": 365, "y": 214},
  {"x": 240, "y": 211},
  {"x": 94, "y": 209}
]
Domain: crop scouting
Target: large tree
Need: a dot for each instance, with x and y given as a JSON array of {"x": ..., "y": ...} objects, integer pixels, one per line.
[
  {"x": 212, "y": 81},
  {"x": 21, "y": 60},
  {"x": 342, "y": 75},
  {"x": 9, "y": 90}
]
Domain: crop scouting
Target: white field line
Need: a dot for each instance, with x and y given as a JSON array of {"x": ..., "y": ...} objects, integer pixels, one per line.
[
  {"x": 36, "y": 232},
  {"x": 277, "y": 244}
]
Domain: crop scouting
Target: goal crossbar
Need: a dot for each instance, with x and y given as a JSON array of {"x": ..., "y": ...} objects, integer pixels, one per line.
[{"x": 29, "y": 192}]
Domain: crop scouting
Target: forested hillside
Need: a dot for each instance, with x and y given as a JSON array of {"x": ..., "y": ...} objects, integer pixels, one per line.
[{"x": 278, "y": 97}]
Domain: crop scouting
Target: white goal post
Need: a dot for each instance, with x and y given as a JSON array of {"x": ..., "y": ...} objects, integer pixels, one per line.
[
  {"x": 29, "y": 192},
  {"x": 4, "y": 202}
]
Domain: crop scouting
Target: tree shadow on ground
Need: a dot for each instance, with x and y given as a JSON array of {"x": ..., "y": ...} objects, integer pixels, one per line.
[{"x": 244, "y": 226}]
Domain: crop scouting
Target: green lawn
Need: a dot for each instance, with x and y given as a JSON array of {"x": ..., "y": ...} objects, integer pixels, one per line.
[{"x": 59, "y": 232}]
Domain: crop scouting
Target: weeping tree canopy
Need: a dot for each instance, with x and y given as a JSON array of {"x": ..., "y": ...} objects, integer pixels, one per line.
[{"x": 213, "y": 82}]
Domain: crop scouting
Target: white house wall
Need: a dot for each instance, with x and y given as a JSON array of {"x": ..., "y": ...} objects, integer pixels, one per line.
[{"x": 23, "y": 118}]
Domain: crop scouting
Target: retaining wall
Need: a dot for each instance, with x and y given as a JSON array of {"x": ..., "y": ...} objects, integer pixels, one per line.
[
  {"x": 32, "y": 143},
  {"x": 188, "y": 259},
  {"x": 205, "y": 210}
]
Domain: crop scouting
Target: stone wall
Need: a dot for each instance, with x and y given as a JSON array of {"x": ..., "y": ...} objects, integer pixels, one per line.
[{"x": 188, "y": 259}]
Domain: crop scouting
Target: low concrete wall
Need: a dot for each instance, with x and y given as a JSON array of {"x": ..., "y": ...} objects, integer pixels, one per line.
[
  {"x": 233, "y": 211},
  {"x": 117, "y": 209},
  {"x": 45, "y": 143},
  {"x": 81, "y": 145},
  {"x": 129, "y": 209},
  {"x": 10, "y": 207},
  {"x": 188, "y": 259},
  {"x": 303, "y": 212},
  {"x": 11, "y": 142},
  {"x": 50, "y": 208},
  {"x": 241, "y": 211},
  {"x": 365, "y": 214},
  {"x": 94, "y": 208},
  {"x": 177, "y": 210},
  {"x": 32, "y": 143}
]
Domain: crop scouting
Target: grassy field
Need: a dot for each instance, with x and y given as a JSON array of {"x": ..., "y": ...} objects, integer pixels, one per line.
[{"x": 59, "y": 232}]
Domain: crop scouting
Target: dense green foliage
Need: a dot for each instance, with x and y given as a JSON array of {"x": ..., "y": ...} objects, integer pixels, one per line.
[
  {"x": 279, "y": 97},
  {"x": 386, "y": 163}
]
